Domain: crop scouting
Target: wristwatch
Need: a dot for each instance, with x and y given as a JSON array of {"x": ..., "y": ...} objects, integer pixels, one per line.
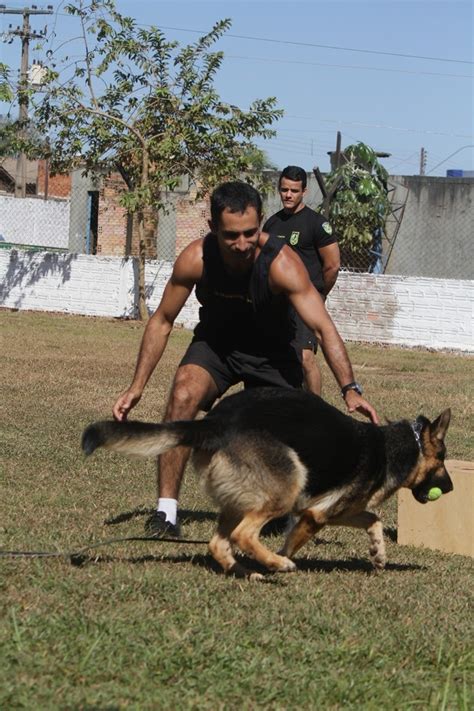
[{"x": 351, "y": 386}]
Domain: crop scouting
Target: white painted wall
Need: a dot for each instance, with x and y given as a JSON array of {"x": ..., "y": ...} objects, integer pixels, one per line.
[
  {"x": 410, "y": 311},
  {"x": 156, "y": 275},
  {"x": 31, "y": 221},
  {"x": 69, "y": 283}
]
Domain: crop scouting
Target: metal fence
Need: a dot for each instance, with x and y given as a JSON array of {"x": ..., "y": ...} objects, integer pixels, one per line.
[
  {"x": 429, "y": 231},
  {"x": 41, "y": 219},
  {"x": 375, "y": 257}
]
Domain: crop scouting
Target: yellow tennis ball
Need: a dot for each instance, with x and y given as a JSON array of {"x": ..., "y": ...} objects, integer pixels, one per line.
[{"x": 434, "y": 493}]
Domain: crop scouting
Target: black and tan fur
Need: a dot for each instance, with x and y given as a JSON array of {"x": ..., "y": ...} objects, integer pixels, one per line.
[{"x": 265, "y": 452}]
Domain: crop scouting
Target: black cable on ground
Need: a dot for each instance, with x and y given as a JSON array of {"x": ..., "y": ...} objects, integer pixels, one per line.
[{"x": 77, "y": 557}]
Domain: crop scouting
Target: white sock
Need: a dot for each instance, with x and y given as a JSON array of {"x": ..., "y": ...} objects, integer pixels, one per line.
[{"x": 170, "y": 508}]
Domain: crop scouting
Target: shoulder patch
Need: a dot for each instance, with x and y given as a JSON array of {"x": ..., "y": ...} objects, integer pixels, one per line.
[{"x": 327, "y": 228}]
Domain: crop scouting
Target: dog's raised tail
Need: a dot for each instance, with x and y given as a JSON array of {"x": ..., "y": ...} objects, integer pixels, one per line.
[{"x": 142, "y": 439}]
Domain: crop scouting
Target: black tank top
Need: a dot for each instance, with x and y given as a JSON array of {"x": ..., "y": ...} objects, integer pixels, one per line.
[{"x": 240, "y": 312}]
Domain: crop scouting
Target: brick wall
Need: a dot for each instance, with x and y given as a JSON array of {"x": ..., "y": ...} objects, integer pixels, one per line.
[
  {"x": 113, "y": 218},
  {"x": 58, "y": 185},
  {"x": 191, "y": 221}
]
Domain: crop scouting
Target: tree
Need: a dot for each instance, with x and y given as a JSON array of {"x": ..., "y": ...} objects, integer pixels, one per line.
[
  {"x": 258, "y": 160},
  {"x": 359, "y": 205},
  {"x": 6, "y": 133},
  {"x": 16, "y": 138},
  {"x": 6, "y": 93},
  {"x": 147, "y": 107}
]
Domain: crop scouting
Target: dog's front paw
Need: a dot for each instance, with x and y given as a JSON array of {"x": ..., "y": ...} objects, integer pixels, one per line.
[
  {"x": 285, "y": 566},
  {"x": 377, "y": 555},
  {"x": 378, "y": 558}
]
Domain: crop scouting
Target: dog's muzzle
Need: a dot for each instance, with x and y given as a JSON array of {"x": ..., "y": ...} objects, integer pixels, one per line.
[{"x": 442, "y": 481}]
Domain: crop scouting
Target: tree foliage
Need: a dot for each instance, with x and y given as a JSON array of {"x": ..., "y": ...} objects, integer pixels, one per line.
[
  {"x": 6, "y": 93},
  {"x": 360, "y": 204},
  {"x": 146, "y": 106}
]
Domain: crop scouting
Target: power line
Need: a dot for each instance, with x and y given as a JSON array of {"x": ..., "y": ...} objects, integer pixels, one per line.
[
  {"x": 379, "y": 125},
  {"x": 347, "y": 66},
  {"x": 310, "y": 44},
  {"x": 323, "y": 46},
  {"x": 470, "y": 145}
]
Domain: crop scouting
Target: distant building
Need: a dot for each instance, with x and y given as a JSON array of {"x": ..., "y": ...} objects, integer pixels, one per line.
[{"x": 8, "y": 172}]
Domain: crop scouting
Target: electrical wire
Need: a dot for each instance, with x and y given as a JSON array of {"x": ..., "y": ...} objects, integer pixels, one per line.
[
  {"x": 347, "y": 66},
  {"x": 470, "y": 145},
  {"x": 323, "y": 46}
]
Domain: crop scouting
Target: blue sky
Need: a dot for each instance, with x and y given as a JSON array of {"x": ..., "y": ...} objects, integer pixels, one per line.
[{"x": 396, "y": 75}]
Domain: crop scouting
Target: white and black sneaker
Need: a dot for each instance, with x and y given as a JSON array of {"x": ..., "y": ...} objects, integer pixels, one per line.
[{"x": 156, "y": 526}]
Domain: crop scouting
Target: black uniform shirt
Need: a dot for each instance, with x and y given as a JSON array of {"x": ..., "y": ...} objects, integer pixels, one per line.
[{"x": 306, "y": 232}]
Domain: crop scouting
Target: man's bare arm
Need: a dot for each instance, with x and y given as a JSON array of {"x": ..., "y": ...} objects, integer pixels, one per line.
[
  {"x": 289, "y": 275},
  {"x": 331, "y": 263},
  {"x": 187, "y": 271}
]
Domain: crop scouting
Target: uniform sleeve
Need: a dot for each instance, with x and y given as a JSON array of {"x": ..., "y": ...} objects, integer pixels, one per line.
[
  {"x": 323, "y": 233},
  {"x": 268, "y": 224}
]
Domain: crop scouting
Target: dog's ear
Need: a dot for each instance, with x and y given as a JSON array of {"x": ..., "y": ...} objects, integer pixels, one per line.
[{"x": 439, "y": 427}]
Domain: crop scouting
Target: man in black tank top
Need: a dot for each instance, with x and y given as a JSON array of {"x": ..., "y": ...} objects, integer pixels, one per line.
[
  {"x": 247, "y": 283},
  {"x": 310, "y": 235}
]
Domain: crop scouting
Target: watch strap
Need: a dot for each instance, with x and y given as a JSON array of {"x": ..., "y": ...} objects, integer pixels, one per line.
[{"x": 351, "y": 386}]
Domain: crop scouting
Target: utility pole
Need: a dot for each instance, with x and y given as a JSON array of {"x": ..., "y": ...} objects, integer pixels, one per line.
[
  {"x": 423, "y": 155},
  {"x": 25, "y": 35}
]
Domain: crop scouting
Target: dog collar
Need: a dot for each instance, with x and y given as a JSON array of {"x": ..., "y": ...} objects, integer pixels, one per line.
[{"x": 416, "y": 427}]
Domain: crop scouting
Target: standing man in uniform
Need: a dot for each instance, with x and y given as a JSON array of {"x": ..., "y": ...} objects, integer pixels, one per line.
[
  {"x": 311, "y": 236},
  {"x": 246, "y": 282}
]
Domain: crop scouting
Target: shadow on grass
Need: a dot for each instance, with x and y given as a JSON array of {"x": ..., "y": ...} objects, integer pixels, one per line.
[
  {"x": 185, "y": 515},
  {"x": 391, "y": 533},
  {"x": 272, "y": 529},
  {"x": 206, "y": 561}
]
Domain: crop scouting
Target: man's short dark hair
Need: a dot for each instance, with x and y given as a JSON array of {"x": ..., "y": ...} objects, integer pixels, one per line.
[
  {"x": 294, "y": 172},
  {"x": 236, "y": 196}
]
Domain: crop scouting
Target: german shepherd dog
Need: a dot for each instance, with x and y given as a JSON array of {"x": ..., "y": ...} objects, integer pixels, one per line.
[{"x": 265, "y": 452}]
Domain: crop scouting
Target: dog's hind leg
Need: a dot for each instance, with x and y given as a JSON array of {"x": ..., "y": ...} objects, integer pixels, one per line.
[
  {"x": 305, "y": 529},
  {"x": 374, "y": 528},
  {"x": 246, "y": 537}
]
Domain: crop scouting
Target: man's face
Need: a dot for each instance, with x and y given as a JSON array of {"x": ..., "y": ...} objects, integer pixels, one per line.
[
  {"x": 291, "y": 194},
  {"x": 237, "y": 234}
]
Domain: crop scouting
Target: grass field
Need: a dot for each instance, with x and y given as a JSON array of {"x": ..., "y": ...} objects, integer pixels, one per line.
[{"x": 149, "y": 625}]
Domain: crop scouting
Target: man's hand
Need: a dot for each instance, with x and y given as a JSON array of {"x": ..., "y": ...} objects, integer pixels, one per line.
[
  {"x": 354, "y": 402},
  {"x": 125, "y": 402}
]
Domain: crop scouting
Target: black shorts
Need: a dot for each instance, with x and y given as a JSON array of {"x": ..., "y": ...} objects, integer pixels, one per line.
[
  {"x": 304, "y": 337},
  {"x": 227, "y": 368}
]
